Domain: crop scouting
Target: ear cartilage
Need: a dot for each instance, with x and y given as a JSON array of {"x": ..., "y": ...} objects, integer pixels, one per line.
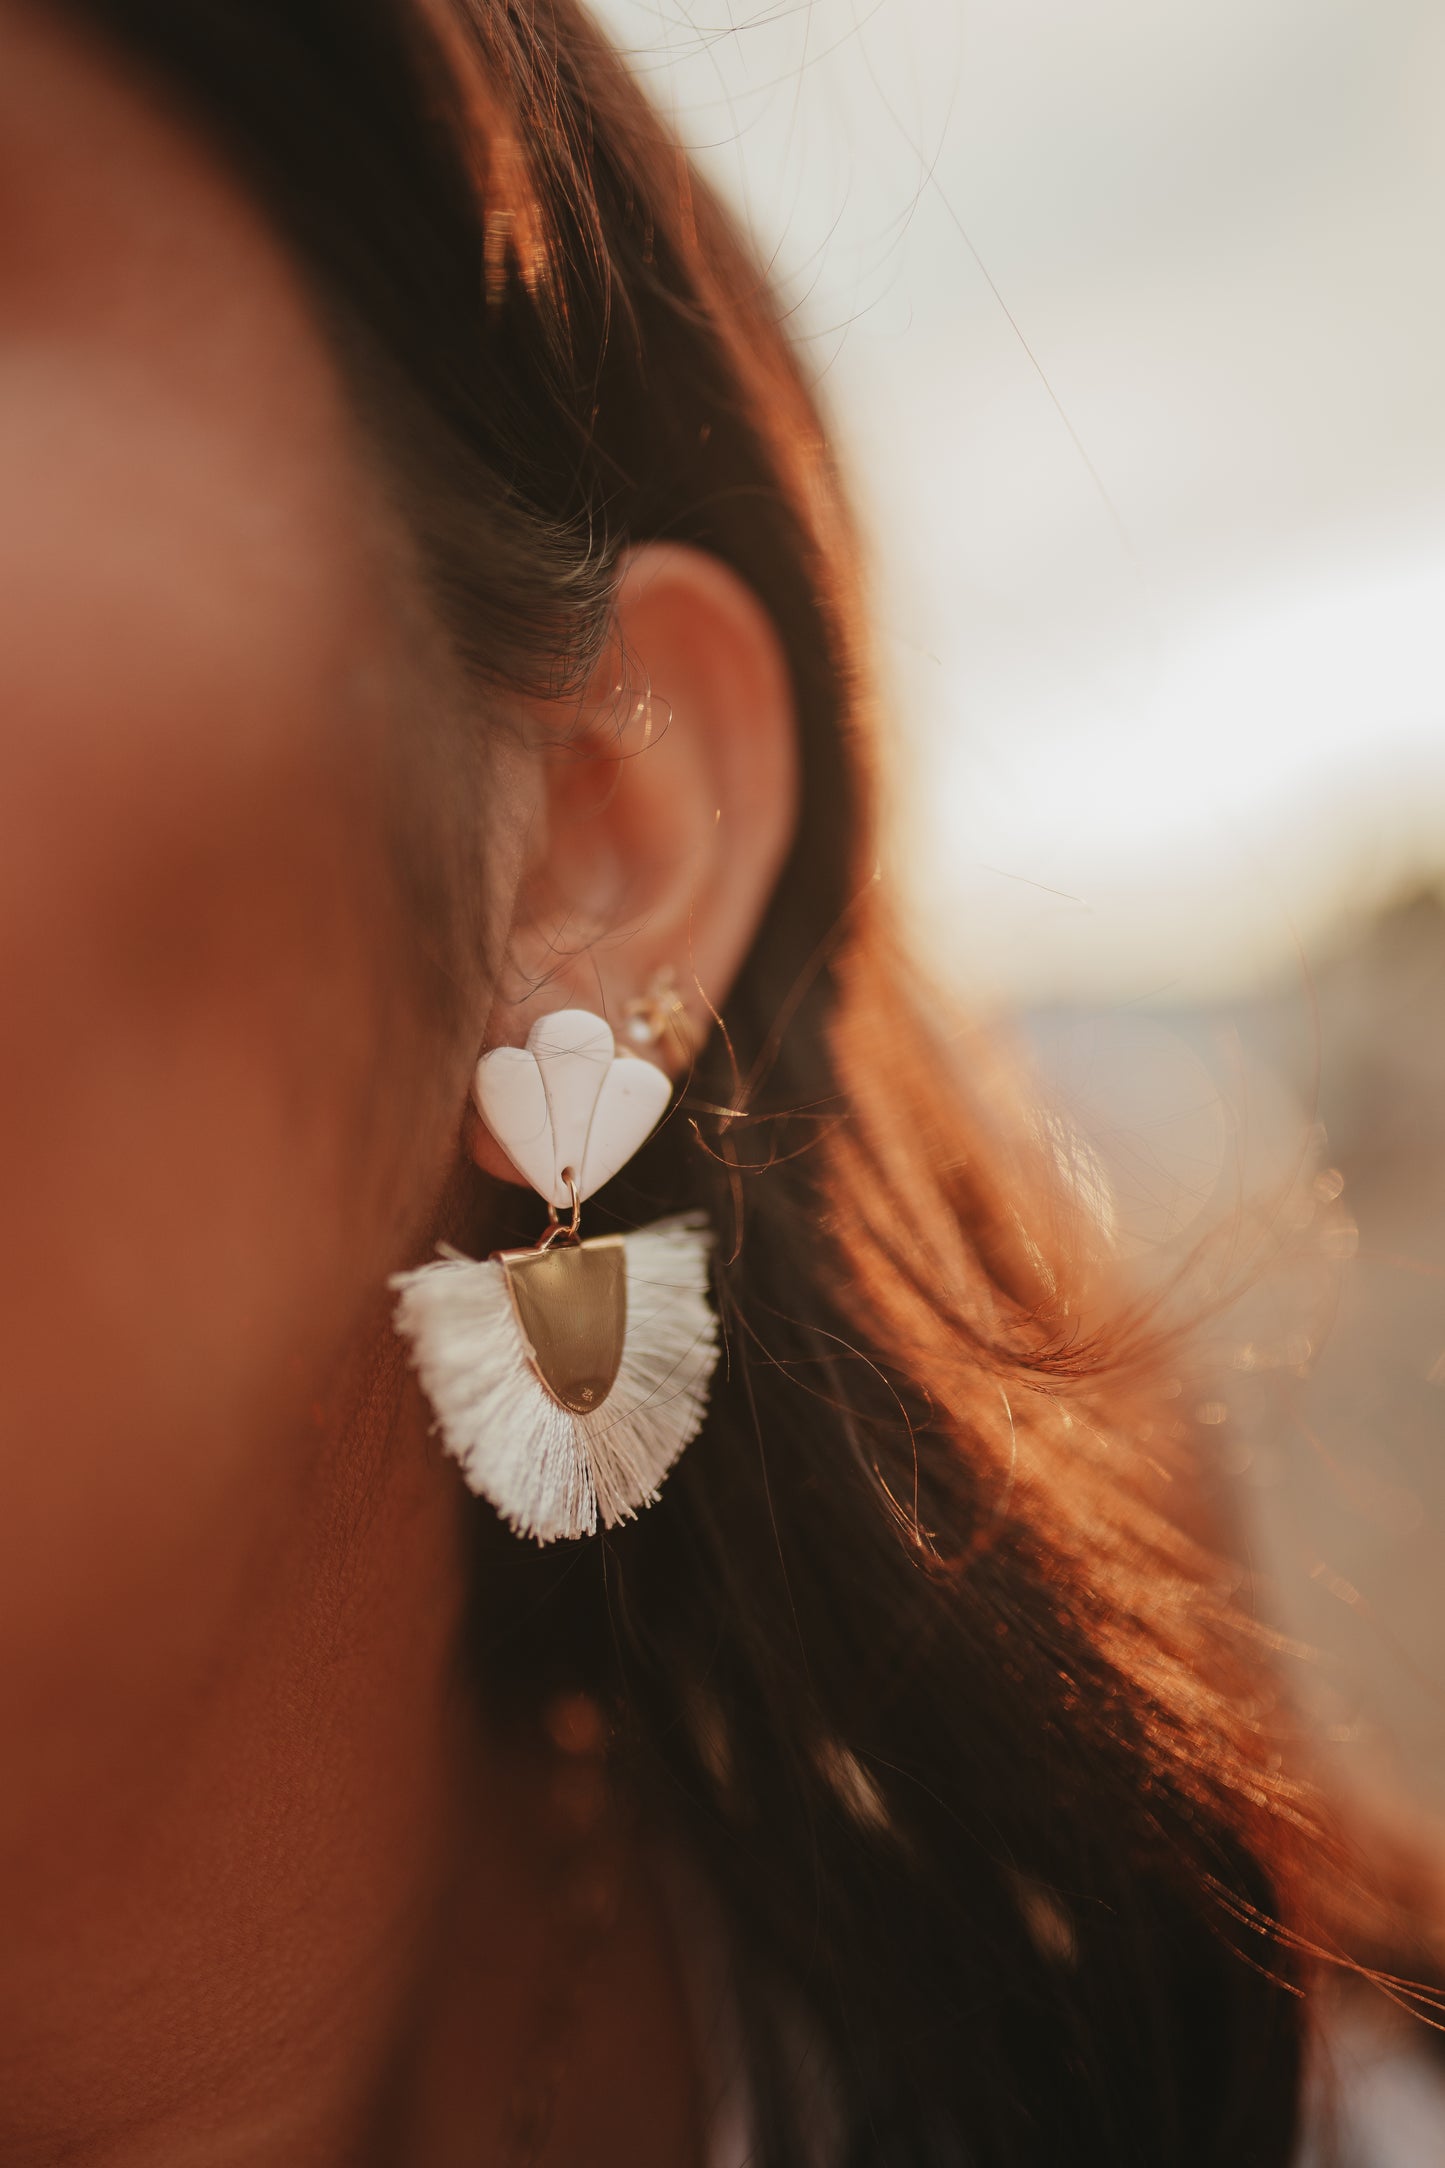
[{"x": 567, "y": 1378}]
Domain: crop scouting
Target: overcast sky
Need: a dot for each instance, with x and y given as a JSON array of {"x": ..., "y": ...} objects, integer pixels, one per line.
[{"x": 1130, "y": 320}]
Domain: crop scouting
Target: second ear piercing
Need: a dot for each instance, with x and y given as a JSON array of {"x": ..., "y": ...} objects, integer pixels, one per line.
[{"x": 659, "y": 1018}]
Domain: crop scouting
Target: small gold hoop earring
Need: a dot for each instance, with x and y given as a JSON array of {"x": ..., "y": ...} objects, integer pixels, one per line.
[{"x": 659, "y": 1014}]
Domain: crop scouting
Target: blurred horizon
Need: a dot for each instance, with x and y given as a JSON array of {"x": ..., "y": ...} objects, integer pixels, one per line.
[{"x": 1123, "y": 325}]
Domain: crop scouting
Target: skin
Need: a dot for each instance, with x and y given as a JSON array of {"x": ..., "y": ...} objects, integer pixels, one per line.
[{"x": 270, "y": 1890}]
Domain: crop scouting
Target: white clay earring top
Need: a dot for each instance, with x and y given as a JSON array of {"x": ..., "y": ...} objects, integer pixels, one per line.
[{"x": 567, "y": 1099}]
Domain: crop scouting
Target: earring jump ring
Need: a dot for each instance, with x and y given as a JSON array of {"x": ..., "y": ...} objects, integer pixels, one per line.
[{"x": 555, "y": 1236}]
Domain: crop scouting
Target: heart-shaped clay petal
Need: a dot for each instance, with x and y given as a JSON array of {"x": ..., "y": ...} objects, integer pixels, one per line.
[
  {"x": 630, "y": 1105},
  {"x": 574, "y": 1050},
  {"x": 512, "y": 1100},
  {"x": 567, "y": 1099}
]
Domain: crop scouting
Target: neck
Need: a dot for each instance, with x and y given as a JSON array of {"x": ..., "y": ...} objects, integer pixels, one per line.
[{"x": 269, "y": 1891}]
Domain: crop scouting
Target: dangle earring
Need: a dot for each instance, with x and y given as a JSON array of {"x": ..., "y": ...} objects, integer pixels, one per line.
[{"x": 568, "y": 1377}]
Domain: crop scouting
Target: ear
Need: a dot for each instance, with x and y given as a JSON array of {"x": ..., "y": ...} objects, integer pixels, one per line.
[{"x": 665, "y": 817}]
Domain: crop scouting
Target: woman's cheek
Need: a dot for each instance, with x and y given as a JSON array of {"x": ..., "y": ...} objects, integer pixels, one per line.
[{"x": 206, "y": 1030}]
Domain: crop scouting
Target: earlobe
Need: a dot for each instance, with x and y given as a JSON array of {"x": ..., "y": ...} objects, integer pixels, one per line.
[{"x": 670, "y": 812}]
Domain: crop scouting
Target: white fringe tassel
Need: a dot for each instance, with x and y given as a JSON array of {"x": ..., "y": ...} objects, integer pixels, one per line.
[{"x": 548, "y": 1472}]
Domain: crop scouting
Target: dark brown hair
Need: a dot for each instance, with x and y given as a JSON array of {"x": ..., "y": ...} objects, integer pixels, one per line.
[{"x": 960, "y": 1724}]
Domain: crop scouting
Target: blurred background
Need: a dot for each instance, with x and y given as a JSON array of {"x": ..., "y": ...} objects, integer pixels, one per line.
[{"x": 1131, "y": 323}]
